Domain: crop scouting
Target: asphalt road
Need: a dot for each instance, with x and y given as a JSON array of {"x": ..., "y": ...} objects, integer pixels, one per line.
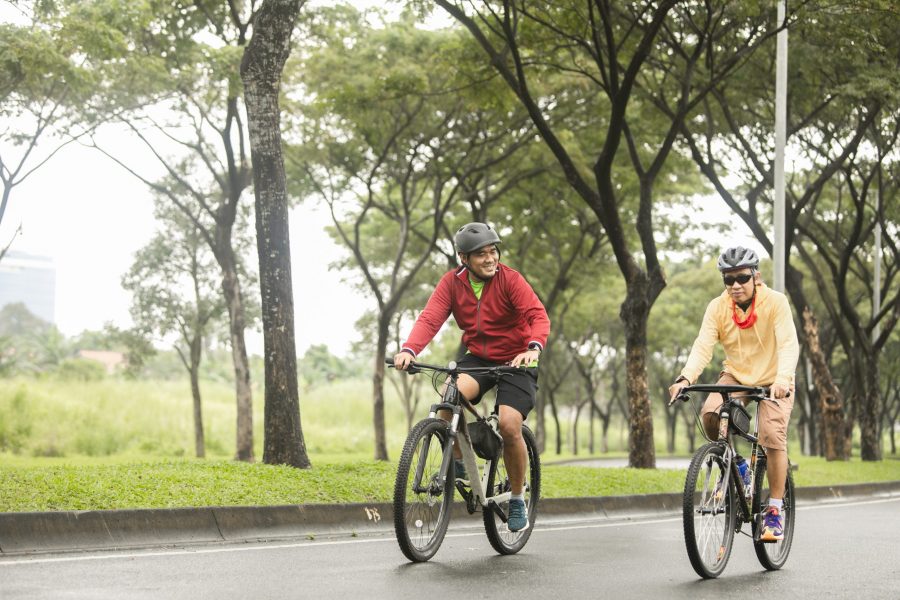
[{"x": 840, "y": 551}]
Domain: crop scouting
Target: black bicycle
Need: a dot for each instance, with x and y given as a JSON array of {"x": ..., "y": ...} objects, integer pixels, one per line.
[
  {"x": 716, "y": 503},
  {"x": 426, "y": 478}
]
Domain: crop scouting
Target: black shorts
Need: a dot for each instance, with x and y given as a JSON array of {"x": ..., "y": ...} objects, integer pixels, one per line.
[{"x": 517, "y": 390}]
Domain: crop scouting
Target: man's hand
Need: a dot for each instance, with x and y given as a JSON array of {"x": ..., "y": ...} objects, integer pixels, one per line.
[
  {"x": 525, "y": 359},
  {"x": 779, "y": 391},
  {"x": 402, "y": 360},
  {"x": 676, "y": 388}
]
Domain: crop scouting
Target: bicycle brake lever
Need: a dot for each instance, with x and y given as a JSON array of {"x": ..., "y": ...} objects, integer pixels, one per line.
[{"x": 682, "y": 396}]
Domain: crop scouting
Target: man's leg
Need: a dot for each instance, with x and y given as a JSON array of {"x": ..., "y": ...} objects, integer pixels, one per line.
[
  {"x": 515, "y": 455},
  {"x": 710, "y": 411},
  {"x": 776, "y": 469},
  {"x": 773, "y": 422}
]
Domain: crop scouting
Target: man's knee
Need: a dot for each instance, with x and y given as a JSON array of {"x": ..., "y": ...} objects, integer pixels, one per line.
[
  {"x": 510, "y": 432},
  {"x": 468, "y": 387},
  {"x": 510, "y": 424}
]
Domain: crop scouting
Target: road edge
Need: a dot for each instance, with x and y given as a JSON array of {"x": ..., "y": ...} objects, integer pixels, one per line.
[{"x": 63, "y": 531}]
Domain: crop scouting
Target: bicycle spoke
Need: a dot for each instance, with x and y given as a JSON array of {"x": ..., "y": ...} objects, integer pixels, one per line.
[
  {"x": 708, "y": 512},
  {"x": 421, "y": 499}
]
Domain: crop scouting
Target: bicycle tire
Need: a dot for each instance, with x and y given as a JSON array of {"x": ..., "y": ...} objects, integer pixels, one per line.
[
  {"x": 771, "y": 555},
  {"x": 501, "y": 538},
  {"x": 421, "y": 518},
  {"x": 709, "y": 517}
]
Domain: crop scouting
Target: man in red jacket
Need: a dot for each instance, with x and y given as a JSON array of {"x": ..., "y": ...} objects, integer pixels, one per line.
[{"x": 503, "y": 322}]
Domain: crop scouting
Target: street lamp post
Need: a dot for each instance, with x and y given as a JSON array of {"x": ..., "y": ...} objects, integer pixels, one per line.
[{"x": 778, "y": 257}]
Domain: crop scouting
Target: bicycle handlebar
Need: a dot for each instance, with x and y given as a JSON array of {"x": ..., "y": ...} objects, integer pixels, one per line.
[
  {"x": 453, "y": 369},
  {"x": 755, "y": 393}
]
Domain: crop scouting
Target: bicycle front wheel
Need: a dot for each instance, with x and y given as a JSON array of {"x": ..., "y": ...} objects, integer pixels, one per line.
[
  {"x": 421, "y": 500},
  {"x": 709, "y": 508},
  {"x": 773, "y": 555},
  {"x": 502, "y": 539}
]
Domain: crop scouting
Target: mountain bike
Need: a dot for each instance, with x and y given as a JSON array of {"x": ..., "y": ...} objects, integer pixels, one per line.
[
  {"x": 716, "y": 503},
  {"x": 426, "y": 477}
]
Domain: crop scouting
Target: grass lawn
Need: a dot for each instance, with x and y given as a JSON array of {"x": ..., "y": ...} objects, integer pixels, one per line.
[{"x": 42, "y": 484}]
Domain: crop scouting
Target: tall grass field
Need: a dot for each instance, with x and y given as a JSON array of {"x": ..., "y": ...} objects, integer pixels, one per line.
[
  {"x": 52, "y": 418},
  {"x": 114, "y": 417}
]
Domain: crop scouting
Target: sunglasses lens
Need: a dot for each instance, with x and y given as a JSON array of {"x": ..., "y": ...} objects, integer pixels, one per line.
[{"x": 741, "y": 279}]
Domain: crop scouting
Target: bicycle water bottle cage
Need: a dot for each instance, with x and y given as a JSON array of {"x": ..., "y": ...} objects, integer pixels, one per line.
[{"x": 486, "y": 442}]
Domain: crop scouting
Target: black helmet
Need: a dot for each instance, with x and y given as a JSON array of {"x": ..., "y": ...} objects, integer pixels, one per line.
[
  {"x": 738, "y": 258},
  {"x": 473, "y": 236}
]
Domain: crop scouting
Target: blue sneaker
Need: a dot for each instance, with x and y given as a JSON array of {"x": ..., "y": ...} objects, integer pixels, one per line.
[
  {"x": 518, "y": 515},
  {"x": 773, "y": 525},
  {"x": 460, "y": 468}
]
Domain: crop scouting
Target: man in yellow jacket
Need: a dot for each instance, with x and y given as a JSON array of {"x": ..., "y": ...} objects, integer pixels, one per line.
[{"x": 755, "y": 327}]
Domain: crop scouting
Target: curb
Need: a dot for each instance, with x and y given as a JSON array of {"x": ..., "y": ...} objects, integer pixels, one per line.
[{"x": 39, "y": 532}]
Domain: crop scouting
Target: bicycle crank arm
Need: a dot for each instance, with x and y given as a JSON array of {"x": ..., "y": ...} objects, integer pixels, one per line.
[{"x": 495, "y": 508}]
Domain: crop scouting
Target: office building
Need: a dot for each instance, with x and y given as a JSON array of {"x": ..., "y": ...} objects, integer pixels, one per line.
[{"x": 30, "y": 280}]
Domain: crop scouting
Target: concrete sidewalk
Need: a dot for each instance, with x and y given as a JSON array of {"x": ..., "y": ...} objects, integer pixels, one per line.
[{"x": 28, "y": 533}]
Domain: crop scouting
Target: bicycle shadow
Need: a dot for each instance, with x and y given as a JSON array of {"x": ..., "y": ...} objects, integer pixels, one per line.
[{"x": 483, "y": 563}]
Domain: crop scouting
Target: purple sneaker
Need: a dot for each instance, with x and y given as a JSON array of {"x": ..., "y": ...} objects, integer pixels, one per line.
[{"x": 773, "y": 525}]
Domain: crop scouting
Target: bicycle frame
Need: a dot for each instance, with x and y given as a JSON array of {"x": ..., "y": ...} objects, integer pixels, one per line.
[
  {"x": 451, "y": 402},
  {"x": 726, "y": 438}
]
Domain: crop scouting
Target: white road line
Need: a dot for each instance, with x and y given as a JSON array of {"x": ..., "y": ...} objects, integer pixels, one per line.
[{"x": 11, "y": 562}]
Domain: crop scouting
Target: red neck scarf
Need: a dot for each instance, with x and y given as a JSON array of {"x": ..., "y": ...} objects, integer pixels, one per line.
[{"x": 748, "y": 322}]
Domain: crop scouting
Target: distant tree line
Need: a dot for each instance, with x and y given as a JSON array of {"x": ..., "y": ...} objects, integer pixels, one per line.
[{"x": 592, "y": 135}]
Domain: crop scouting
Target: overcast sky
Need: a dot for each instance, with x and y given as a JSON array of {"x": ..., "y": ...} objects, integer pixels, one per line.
[{"x": 90, "y": 216}]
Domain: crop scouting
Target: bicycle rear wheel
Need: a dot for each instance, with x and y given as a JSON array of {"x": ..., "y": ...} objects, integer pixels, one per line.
[
  {"x": 502, "y": 539},
  {"x": 422, "y": 512},
  {"x": 773, "y": 555},
  {"x": 709, "y": 510}
]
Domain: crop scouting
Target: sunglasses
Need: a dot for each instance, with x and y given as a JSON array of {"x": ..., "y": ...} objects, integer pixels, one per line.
[{"x": 741, "y": 279}]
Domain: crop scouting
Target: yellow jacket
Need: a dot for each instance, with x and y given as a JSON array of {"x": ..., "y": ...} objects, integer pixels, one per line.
[{"x": 763, "y": 354}]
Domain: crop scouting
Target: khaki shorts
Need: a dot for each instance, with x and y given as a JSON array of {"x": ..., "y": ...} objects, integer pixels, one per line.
[{"x": 773, "y": 418}]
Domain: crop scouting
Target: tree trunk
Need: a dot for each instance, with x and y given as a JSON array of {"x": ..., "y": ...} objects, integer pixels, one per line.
[
  {"x": 591, "y": 414},
  {"x": 672, "y": 426},
  {"x": 261, "y": 69},
  {"x": 604, "y": 439},
  {"x": 381, "y": 452},
  {"x": 555, "y": 414},
  {"x": 540, "y": 430},
  {"x": 231, "y": 288},
  {"x": 634, "y": 313},
  {"x": 199, "y": 440},
  {"x": 870, "y": 413},
  {"x": 836, "y": 429},
  {"x": 578, "y": 406}
]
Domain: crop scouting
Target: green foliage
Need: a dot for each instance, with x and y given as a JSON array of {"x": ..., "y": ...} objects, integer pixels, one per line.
[
  {"x": 31, "y": 344},
  {"x": 16, "y": 422},
  {"x": 80, "y": 369},
  {"x": 176, "y": 285},
  {"x": 318, "y": 366}
]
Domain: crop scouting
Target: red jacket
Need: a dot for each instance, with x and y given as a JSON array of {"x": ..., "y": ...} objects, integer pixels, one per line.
[{"x": 498, "y": 327}]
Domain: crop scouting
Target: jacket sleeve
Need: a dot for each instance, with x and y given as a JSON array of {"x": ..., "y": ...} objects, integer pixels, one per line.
[
  {"x": 787, "y": 346},
  {"x": 702, "y": 350},
  {"x": 532, "y": 310},
  {"x": 432, "y": 318}
]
